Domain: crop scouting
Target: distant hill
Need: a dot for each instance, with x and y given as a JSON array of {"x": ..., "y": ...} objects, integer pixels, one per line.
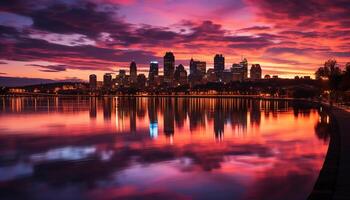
[{"x": 18, "y": 81}]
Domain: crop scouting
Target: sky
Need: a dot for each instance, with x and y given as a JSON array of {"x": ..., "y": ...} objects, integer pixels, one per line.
[{"x": 70, "y": 39}]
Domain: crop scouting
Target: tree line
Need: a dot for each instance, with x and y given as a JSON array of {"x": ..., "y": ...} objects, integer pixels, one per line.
[{"x": 335, "y": 81}]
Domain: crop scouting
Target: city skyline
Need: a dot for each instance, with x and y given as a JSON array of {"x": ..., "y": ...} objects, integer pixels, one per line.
[
  {"x": 177, "y": 76},
  {"x": 71, "y": 39}
]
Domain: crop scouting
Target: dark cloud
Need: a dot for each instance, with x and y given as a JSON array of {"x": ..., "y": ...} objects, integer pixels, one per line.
[
  {"x": 306, "y": 13},
  {"x": 84, "y": 18},
  {"x": 255, "y": 28},
  {"x": 345, "y": 54},
  {"x": 284, "y": 61},
  {"x": 297, "y": 51},
  {"x": 3, "y": 63},
  {"x": 72, "y": 79},
  {"x": 26, "y": 49},
  {"x": 50, "y": 68},
  {"x": 22, "y": 81},
  {"x": 309, "y": 34}
]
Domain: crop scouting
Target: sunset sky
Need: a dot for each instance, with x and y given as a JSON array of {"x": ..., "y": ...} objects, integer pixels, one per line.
[{"x": 70, "y": 39}]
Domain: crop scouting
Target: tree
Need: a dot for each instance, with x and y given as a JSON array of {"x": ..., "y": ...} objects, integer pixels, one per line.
[{"x": 345, "y": 82}]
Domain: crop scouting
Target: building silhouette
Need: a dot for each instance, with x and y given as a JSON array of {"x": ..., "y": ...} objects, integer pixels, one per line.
[
  {"x": 240, "y": 71},
  {"x": 219, "y": 63},
  {"x": 153, "y": 73},
  {"x": 198, "y": 67},
  {"x": 122, "y": 79},
  {"x": 107, "y": 81},
  {"x": 174, "y": 77},
  {"x": 93, "y": 81},
  {"x": 133, "y": 73},
  {"x": 244, "y": 65},
  {"x": 141, "y": 81},
  {"x": 255, "y": 72},
  {"x": 180, "y": 76},
  {"x": 169, "y": 67}
]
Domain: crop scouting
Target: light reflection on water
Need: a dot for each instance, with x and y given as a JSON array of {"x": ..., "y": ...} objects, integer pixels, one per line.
[{"x": 159, "y": 148}]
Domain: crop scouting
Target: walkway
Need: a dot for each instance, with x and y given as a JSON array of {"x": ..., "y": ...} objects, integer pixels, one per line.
[{"x": 334, "y": 179}]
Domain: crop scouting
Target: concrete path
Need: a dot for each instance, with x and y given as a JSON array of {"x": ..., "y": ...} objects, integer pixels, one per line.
[{"x": 334, "y": 179}]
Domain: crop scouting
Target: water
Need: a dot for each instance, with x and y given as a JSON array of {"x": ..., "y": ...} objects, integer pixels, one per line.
[{"x": 159, "y": 148}]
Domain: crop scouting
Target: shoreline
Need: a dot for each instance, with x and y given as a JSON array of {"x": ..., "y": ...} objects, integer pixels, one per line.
[
  {"x": 334, "y": 178},
  {"x": 171, "y": 96}
]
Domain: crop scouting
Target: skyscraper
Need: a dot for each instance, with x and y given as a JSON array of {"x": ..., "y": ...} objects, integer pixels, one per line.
[
  {"x": 193, "y": 67},
  {"x": 169, "y": 67},
  {"x": 133, "y": 73},
  {"x": 93, "y": 81},
  {"x": 219, "y": 63},
  {"x": 141, "y": 81},
  {"x": 180, "y": 75},
  {"x": 153, "y": 69},
  {"x": 121, "y": 78},
  {"x": 197, "y": 67},
  {"x": 107, "y": 81},
  {"x": 153, "y": 73},
  {"x": 237, "y": 72},
  {"x": 255, "y": 72},
  {"x": 244, "y": 65}
]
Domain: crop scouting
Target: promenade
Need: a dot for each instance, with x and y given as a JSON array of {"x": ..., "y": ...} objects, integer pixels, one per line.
[{"x": 334, "y": 179}]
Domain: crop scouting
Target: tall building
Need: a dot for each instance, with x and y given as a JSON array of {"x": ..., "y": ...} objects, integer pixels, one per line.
[
  {"x": 244, "y": 65},
  {"x": 198, "y": 67},
  {"x": 180, "y": 75},
  {"x": 153, "y": 73},
  {"x": 141, "y": 81},
  {"x": 255, "y": 72},
  {"x": 133, "y": 73},
  {"x": 227, "y": 76},
  {"x": 240, "y": 71},
  {"x": 193, "y": 67},
  {"x": 93, "y": 81},
  {"x": 153, "y": 69},
  {"x": 107, "y": 81},
  {"x": 237, "y": 72},
  {"x": 219, "y": 63},
  {"x": 211, "y": 75},
  {"x": 122, "y": 78},
  {"x": 169, "y": 67}
]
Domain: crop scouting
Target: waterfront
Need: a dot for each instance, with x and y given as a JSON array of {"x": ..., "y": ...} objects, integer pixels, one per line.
[{"x": 157, "y": 148}]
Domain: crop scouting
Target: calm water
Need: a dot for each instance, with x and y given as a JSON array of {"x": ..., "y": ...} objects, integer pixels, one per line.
[{"x": 159, "y": 148}]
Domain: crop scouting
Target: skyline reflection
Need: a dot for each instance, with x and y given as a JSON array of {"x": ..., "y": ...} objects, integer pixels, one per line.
[{"x": 108, "y": 148}]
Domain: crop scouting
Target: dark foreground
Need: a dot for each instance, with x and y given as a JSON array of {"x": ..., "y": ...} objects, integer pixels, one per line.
[{"x": 334, "y": 179}]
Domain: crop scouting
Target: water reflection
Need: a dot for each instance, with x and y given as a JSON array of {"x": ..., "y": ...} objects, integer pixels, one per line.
[{"x": 159, "y": 148}]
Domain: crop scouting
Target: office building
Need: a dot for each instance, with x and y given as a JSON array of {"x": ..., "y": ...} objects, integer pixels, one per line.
[
  {"x": 237, "y": 72},
  {"x": 122, "y": 79},
  {"x": 180, "y": 76},
  {"x": 107, "y": 81},
  {"x": 255, "y": 72},
  {"x": 153, "y": 75},
  {"x": 141, "y": 81},
  {"x": 198, "y": 67},
  {"x": 244, "y": 65},
  {"x": 219, "y": 63},
  {"x": 133, "y": 73},
  {"x": 169, "y": 67},
  {"x": 93, "y": 81}
]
